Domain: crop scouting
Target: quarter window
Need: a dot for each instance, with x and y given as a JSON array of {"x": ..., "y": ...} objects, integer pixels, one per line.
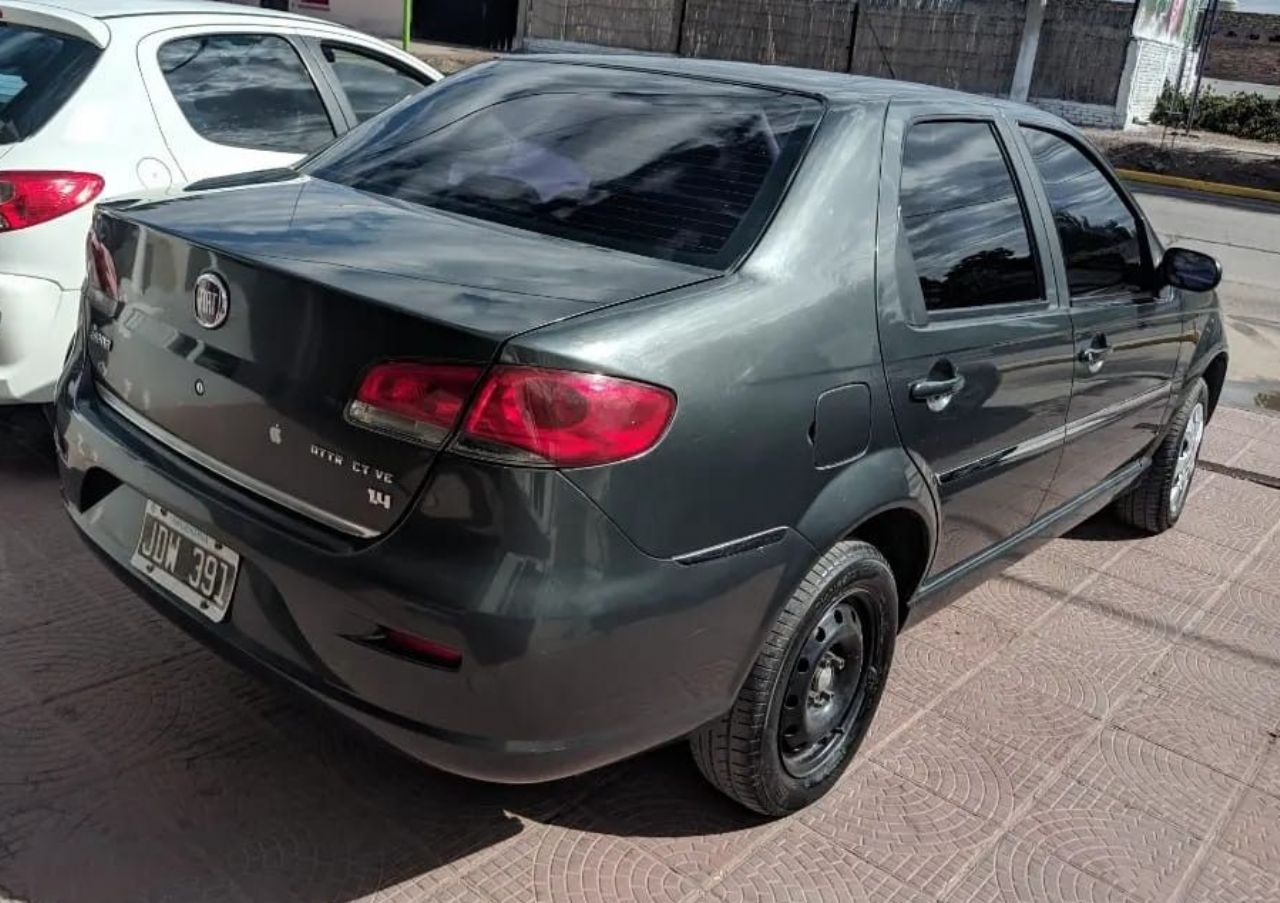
[
  {"x": 246, "y": 90},
  {"x": 1099, "y": 233},
  {"x": 371, "y": 84},
  {"x": 963, "y": 219}
]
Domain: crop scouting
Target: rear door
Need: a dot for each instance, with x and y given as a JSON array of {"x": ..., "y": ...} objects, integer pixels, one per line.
[
  {"x": 234, "y": 99},
  {"x": 977, "y": 348},
  {"x": 365, "y": 81},
  {"x": 1127, "y": 332}
]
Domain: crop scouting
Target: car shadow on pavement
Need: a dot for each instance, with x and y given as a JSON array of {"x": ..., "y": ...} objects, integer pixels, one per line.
[{"x": 135, "y": 764}]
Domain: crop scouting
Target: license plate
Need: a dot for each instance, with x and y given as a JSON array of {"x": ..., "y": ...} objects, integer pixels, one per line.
[{"x": 186, "y": 561}]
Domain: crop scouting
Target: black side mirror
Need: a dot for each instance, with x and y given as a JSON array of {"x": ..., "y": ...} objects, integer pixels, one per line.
[{"x": 1190, "y": 270}]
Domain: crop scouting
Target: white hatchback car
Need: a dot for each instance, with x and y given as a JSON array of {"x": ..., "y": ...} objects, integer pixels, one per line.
[{"x": 102, "y": 98}]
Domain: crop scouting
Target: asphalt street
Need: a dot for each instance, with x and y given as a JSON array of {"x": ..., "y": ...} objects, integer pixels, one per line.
[{"x": 1245, "y": 237}]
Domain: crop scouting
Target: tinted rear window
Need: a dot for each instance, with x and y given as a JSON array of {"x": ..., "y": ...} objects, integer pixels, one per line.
[
  {"x": 657, "y": 165},
  {"x": 39, "y": 71}
]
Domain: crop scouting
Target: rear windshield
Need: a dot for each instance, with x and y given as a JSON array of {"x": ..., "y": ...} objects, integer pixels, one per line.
[
  {"x": 667, "y": 167},
  {"x": 39, "y": 71}
]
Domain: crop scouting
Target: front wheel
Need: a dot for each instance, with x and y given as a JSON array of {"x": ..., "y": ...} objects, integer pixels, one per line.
[
  {"x": 813, "y": 690},
  {"x": 1156, "y": 502}
]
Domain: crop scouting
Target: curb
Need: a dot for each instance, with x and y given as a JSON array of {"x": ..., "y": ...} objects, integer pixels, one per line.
[{"x": 1239, "y": 191}]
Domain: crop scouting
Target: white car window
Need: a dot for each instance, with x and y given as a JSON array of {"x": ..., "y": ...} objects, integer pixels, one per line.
[
  {"x": 246, "y": 90},
  {"x": 371, "y": 84}
]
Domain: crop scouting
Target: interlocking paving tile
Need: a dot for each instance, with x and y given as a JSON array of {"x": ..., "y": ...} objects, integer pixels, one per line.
[
  {"x": 1022, "y": 871},
  {"x": 34, "y": 591},
  {"x": 1260, "y": 457},
  {"x": 1015, "y": 603},
  {"x": 1192, "y": 729},
  {"x": 968, "y": 636},
  {"x": 1114, "y": 842},
  {"x": 40, "y": 758},
  {"x": 1004, "y": 707},
  {"x": 921, "y": 673},
  {"x": 1253, "y": 832},
  {"x": 799, "y": 866},
  {"x": 552, "y": 864},
  {"x": 1192, "y": 551},
  {"x": 93, "y": 846},
  {"x": 426, "y": 889},
  {"x": 1253, "y": 424},
  {"x": 1156, "y": 779},
  {"x": 1231, "y": 513},
  {"x": 894, "y": 711},
  {"x": 669, "y": 811},
  {"x": 1091, "y": 680},
  {"x": 82, "y": 651},
  {"x": 1242, "y": 636},
  {"x": 1221, "y": 446},
  {"x": 1228, "y": 879},
  {"x": 1263, "y": 569},
  {"x": 900, "y": 827},
  {"x": 1230, "y": 684},
  {"x": 1174, "y": 591},
  {"x": 1241, "y": 600},
  {"x": 1050, "y": 571},
  {"x": 982, "y": 776},
  {"x": 1268, "y": 777}
]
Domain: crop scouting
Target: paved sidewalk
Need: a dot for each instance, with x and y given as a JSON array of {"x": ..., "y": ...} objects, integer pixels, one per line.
[{"x": 1100, "y": 723}]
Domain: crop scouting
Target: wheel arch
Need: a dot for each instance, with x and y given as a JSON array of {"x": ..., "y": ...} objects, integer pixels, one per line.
[{"x": 1215, "y": 377}]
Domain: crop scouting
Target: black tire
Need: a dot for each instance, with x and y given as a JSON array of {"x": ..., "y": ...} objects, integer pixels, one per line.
[
  {"x": 744, "y": 753},
  {"x": 1155, "y": 503}
]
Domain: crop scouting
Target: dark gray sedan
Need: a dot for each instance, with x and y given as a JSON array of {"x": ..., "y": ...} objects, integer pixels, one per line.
[{"x": 581, "y": 404}]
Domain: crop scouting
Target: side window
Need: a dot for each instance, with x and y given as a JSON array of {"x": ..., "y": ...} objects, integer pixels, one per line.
[
  {"x": 963, "y": 218},
  {"x": 371, "y": 84},
  {"x": 1099, "y": 234},
  {"x": 246, "y": 90}
]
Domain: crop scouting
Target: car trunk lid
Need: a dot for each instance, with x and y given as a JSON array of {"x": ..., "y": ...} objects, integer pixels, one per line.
[{"x": 322, "y": 282}]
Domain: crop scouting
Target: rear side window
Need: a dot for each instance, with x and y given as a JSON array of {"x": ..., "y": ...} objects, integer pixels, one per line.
[
  {"x": 246, "y": 90},
  {"x": 1098, "y": 232},
  {"x": 39, "y": 71},
  {"x": 657, "y": 165},
  {"x": 963, "y": 219},
  {"x": 371, "y": 84}
]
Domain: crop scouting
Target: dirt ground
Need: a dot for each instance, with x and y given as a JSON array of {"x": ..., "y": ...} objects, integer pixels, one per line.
[{"x": 1200, "y": 155}]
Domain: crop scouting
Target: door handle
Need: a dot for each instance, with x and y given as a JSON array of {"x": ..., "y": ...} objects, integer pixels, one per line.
[
  {"x": 1094, "y": 357},
  {"x": 936, "y": 393}
]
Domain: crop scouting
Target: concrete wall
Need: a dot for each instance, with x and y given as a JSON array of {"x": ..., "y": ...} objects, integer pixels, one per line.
[
  {"x": 1245, "y": 48},
  {"x": 383, "y": 18}
]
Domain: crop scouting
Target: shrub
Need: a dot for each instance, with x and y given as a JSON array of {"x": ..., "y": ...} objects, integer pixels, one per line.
[{"x": 1243, "y": 115}]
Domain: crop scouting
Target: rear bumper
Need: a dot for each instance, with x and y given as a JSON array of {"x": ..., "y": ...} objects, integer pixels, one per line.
[
  {"x": 37, "y": 321},
  {"x": 578, "y": 649}
]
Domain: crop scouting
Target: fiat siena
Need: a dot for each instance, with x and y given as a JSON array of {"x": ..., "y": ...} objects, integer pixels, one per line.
[{"x": 580, "y": 404}]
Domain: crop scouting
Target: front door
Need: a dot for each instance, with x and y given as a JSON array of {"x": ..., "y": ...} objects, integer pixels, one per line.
[
  {"x": 1127, "y": 331},
  {"x": 977, "y": 349}
]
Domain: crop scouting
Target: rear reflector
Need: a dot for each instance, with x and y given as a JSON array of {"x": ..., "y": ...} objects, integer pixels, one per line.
[
  {"x": 559, "y": 418},
  {"x": 420, "y": 402},
  {"x": 427, "y": 651},
  {"x": 33, "y": 197}
]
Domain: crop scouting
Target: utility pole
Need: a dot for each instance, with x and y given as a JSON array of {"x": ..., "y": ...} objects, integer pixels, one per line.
[
  {"x": 1206, "y": 34},
  {"x": 1026, "y": 66}
]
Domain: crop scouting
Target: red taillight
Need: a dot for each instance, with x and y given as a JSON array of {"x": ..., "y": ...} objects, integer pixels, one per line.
[
  {"x": 521, "y": 415},
  {"x": 34, "y": 197},
  {"x": 418, "y": 401},
  {"x": 525, "y": 415}
]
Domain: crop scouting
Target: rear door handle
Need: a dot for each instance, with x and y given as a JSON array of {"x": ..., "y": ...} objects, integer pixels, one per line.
[
  {"x": 936, "y": 393},
  {"x": 1094, "y": 357}
]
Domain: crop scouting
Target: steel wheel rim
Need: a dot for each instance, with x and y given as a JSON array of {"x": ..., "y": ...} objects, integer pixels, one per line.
[
  {"x": 1188, "y": 453},
  {"x": 826, "y": 687}
]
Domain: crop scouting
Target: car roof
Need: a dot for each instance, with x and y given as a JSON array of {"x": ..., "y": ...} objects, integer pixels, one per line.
[
  {"x": 832, "y": 86},
  {"x": 113, "y": 9}
]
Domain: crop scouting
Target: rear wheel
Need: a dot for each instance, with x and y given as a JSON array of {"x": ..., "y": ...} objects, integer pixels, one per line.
[
  {"x": 813, "y": 689},
  {"x": 1156, "y": 502}
]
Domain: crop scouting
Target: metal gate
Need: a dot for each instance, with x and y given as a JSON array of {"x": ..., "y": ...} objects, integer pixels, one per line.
[{"x": 474, "y": 23}]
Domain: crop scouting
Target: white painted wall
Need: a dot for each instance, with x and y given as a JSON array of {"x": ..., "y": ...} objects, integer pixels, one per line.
[{"x": 383, "y": 18}]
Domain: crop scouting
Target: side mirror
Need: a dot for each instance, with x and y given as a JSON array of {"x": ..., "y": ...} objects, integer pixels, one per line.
[{"x": 1190, "y": 270}]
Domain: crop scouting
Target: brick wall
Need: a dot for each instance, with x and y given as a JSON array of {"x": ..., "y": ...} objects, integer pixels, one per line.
[
  {"x": 1245, "y": 48},
  {"x": 1090, "y": 115}
]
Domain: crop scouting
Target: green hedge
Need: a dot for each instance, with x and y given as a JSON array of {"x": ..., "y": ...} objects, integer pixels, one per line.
[{"x": 1242, "y": 115}]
